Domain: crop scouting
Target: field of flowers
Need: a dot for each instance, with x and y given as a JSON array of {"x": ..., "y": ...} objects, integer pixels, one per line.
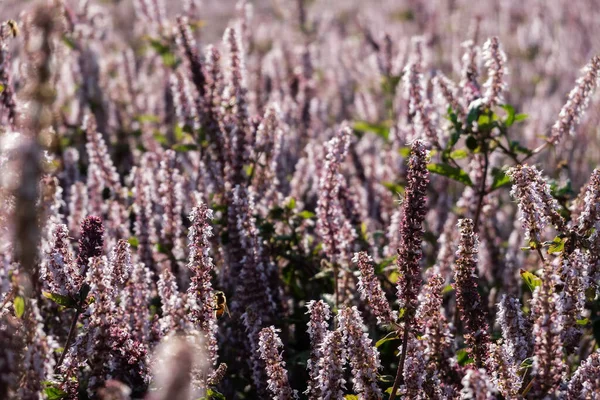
[{"x": 308, "y": 199}]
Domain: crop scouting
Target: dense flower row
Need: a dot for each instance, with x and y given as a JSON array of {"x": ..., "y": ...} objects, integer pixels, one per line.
[{"x": 184, "y": 220}]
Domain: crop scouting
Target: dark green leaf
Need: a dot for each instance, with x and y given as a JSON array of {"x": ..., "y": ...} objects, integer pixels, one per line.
[
  {"x": 83, "y": 292},
  {"x": 484, "y": 121},
  {"x": 394, "y": 187},
  {"x": 19, "y": 306},
  {"x": 387, "y": 338},
  {"x": 447, "y": 289},
  {"x": 291, "y": 205},
  {"x": 500, "y": 178},
  {"x": 473, "y": 115},
  {"x": 160, "y": 138},
  {"x": 472, "y": 143},
  {"x": 531, "y": 280},
  {"x": 404, "y": 151},
  {"x": 527, "y": 363},
  {"x": 557, "y": 245},
  {"x": 459, "y": 154},
  {"x": 510, "y": 114},
  {"x": 462, "y": 357},
  {"x": 61, "y": 300},
  {"x": 451, "y": 172},
  {"x": 516, "y": 146},
  {"x": 381, "y": 130},
  {"x": 248, "y": 169},
  {"x": 521, "y": 117},
  {"x": 69, "y": 42},
  {"x": 212, "y": 394},
  {"x": 306, "y": 214},
  {"x": 184, "y": 148},
  {"x": 54, "y": 393},
  {"x": 147, "y": 118},
  {"x": 596, "y": 330}
]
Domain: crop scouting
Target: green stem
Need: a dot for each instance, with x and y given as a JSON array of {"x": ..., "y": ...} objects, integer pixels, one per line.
[{"x": 400, "y": 372}]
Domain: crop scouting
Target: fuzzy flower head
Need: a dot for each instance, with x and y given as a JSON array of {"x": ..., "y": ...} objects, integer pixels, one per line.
[
  {"x": 317, "y": 330},
  {"x": 585, "y": 383},
  {"x": 516, "y": 329},
  {"x": 370, "y": 289},
  {"x": 579, "y": 98},
  {"x": 92, "y": 241},
  {"x": 536, "y": 205},
  {"x": 363, "y": 357},
  {"x": 411, "y": 229},
  {"x": 468, "y": 300},
  {"x": 331, "y": 366},
  {"x": 548, "y": 364},
  {"x": 268, "y": 347},
  {"x": 120, "y": 261},
  {"x": 332, "y": 225},
  {"x": 59, "y": 271},
  {"x": 495, "y": 61}
]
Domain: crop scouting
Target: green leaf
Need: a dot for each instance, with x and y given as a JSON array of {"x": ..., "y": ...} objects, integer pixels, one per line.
[
  {"x": 527, "y": 363},
  {"x": 164, "y": 51},
  {"x": 510, "y": 114},
  {"x": 583, "y": 322},
  {"x": 291, "y": 205},
  {"x": 596, "y": 330},
  {"x": 557, "y": 245},
  {"x": 462, "y": 357},
  {"x": 61, "y": 300},
  {"x": 500, "y": 178},
  {"x": 351, "y": 397},
  {"x": 387, "y": 338},
  {"x": 473, "y": 115},
  {"x": 394, "y": 187},
  {"x": 306, "y": 214},
  {"x": 69, "y": 42},
  {"x": 456, "y": 124},
  {"x": 212, "y": 394},
  {"x": 472, "y": 143},
  {"x": 459, "y": 154},
  {"x": 516, "y": 146},
  {"x": 248, "y": 169},
  {"x": 531, "y": 280},
  {"x": 134, "y": 242},
  {"x": 1, "y": 88},
  {"x": 147, "y": 118},
  {"x": 386, "y": 378},
  {"x": 447, "y": 289},
  {"x": 54, "y": 393},
  {"x": 19, "y": 306},
  {"x": 184, "y": 148},
  {"x": 381, "y": 130},
  {"x": 160, "y": 138},
  {"x": 521, "y": 117},
  {"x": 83, "y": 292},
  {"x": 484, "y": 122},
  {"x": 451, "y": 172},
  {"x": 404, "y": 151},
  {"x": 388, "y": 84}
]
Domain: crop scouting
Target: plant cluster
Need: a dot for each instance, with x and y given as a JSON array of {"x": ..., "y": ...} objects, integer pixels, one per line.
[{"x": 336, "y": 201}]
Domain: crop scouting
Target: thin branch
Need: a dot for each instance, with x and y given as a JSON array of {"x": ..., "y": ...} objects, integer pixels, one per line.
[
  {"x": 481, "y": 189},
  {"x": 400, "y": 372},
  {"x": 69, "y": 339}
]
